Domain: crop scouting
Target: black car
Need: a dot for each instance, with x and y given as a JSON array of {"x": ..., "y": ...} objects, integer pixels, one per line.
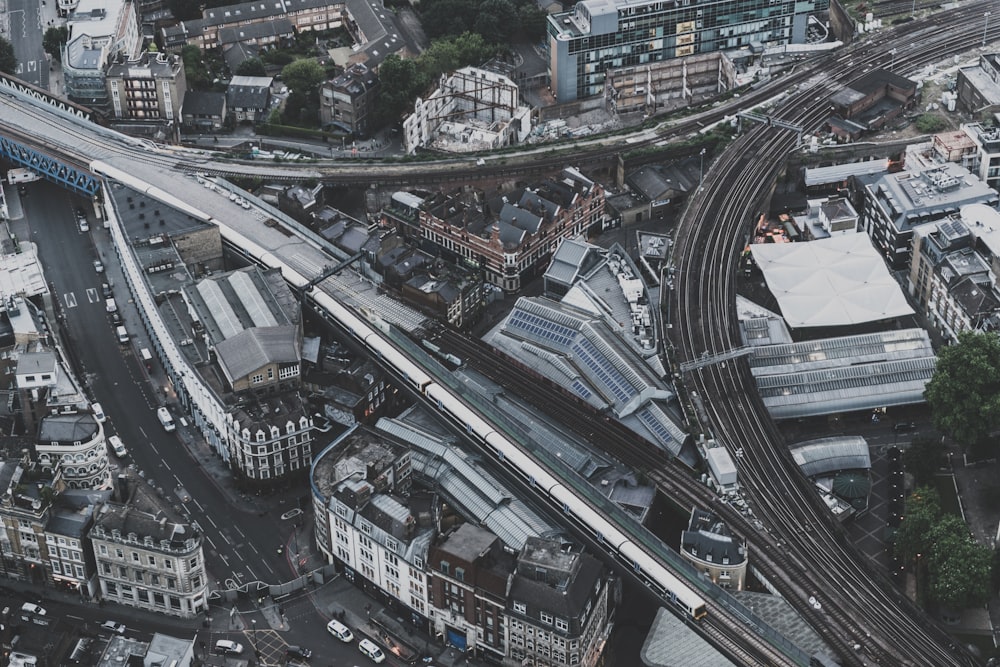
[
  {"x": 298, "y": 652},
  {"x": 80, "y": 213},
  {"x": 905, "y": 427}
]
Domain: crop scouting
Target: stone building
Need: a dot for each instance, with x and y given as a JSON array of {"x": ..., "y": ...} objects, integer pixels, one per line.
[{"x": 147, "y": 557}]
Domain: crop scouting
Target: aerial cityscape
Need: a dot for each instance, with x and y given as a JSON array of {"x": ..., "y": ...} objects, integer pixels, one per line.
[{"x": 497, "y": 332}]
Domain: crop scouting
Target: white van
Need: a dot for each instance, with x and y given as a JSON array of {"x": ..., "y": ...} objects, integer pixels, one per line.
[
  {"x": 122, "y": 334},
  {"x": 117, "y": 446},
  {"x": 165, "y": 419},
  {"x": 98, "y": 412},
  {"x": 370, "y": 649},
  {"x": 339, "y": 630}
]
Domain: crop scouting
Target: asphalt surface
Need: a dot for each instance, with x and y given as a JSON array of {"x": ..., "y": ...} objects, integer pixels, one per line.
[{"x": 26, "y": 22}]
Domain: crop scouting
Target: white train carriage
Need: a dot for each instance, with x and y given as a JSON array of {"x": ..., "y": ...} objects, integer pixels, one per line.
[
  {"x": 466, "y": 419},
  {"x": 410, "y": 371},
  {"x": 670, "y": 586}
]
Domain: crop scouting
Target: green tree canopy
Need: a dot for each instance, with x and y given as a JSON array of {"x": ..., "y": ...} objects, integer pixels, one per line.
[
  {"x": 923, "y": 509},
  {"x": 533, "y": 22},
  {"x": 8, "y": 61},
  {"x": 304, "y": 76},
  {"x": 251, "y": 67},
  {"x": 195, "y": 70},
  {"x": 959, "y": 568},
  {"x": 446, "y": 18},
  {"x": 497, "y": 21},
  {"x": 922, "y": 459},
  {"x": 53, "y": 40},
  {"x": 964, "y": 392}
]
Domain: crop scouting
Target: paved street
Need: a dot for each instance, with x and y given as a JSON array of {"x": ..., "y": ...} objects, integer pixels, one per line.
[{"x": 27, "y": 20}]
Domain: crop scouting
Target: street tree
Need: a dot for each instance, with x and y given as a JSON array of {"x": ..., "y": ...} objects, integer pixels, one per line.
[
  {"x": 964, "y": 392},
  {"x": 922, "y": 459},
  {"x": 8, "y": 61},
  {"x": 53, "y": 40},
  {"x": 923, "y": 509},
  {"x": 958, "y": 567},
  {"x": 251, "y": 67}
]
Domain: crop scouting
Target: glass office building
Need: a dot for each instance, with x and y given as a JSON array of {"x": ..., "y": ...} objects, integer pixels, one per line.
[{"x": 598, "y": 35}]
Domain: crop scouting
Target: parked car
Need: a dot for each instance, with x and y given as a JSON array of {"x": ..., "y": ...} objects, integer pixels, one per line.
[
  {"x": 298, "y": 653},
  {"x": 228, "y": 647},
  {"x": 32, "y": 608},
  {"x": 98, "y": 266},
  {"x": 117, "y": 446},
  {"x": 84, "y": 227},
  {"x": 98, "y": 412},
  {"x": 106, "y": 291},
  {"x": 371, "y": 649},
  {"x": 111, "y": 626},
  {"x": 340, "y": 631},
  {"x": 905, "y": 427}
]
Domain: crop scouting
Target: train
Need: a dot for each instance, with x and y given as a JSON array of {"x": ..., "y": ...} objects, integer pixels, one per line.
[{"x": 504, "y": 449}]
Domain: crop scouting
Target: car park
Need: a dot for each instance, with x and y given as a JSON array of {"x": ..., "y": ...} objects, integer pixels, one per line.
[
  {"x": 228, "y": 647},
  {"x": 111, "y": 626},
  {"x": 117, "y": 446},
  {"x": 298, "y": 653},
  {"x": 340, "y": 631},
  {"x": 371, "y": 649}
]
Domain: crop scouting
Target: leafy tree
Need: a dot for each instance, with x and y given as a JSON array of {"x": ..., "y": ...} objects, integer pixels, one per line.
[
  {"x": 959, "y": 568},
  {"x": 279, "y": 57},
  {"x": 195, "y": 71},
  {"x": 185, "y": 10},
  {"x": 497, "y": 21},
  {"x": 964, "y": 392},
  {"x": 53, "y": 40},
  {"x": 923, "y": 509},
  {"x": 8, "y": 61},
  {"x": 533, "y": 22},
  {"x": 929, "y": 122},
  {"x": 251, "y": 67},
  {"x": 444, "y": 18},
  {"x": 304, "y": 76},
  {"x": 922, "y": 459}
]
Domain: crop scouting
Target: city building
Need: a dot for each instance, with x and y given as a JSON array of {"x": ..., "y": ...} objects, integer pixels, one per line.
[
  {"x": 896, "y": 203},
  {"x": 147, "y": 557},
  {"x": 304, "y": 15},
  {"x": 560, "y": 606},
  {"x": 70, "y": 558},
  {"x": 98, "y": 32},
  {"x": 26, "y": 506},
  {"x": 711, "y": 547},
  {"x": 469, "y": 572},
  {"x": 951, "y": 277},
  {"x": 44, "y": 383},
  {"x": 248, "y": 97},
  {"x": 471, "y": 110},
  {"x": 875, "y": 99},
  {"x": 204, "y": 111},
  {"x": 76, "y": 443},
  {"x": 274, "y": 33},
  {"x": 509, "y": 237},
  {"x": 984, "y": 159},
  {"x": 150, "y": 87},
  {"x": 978, "y": 86},
  {"x": 596, "y": 36},
  {"x": 347, "y": 102}
]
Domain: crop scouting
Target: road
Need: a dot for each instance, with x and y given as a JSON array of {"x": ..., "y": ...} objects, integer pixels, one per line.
[
  {"x": 240, "y": 545},
  {"x": 27, "y": 26}
]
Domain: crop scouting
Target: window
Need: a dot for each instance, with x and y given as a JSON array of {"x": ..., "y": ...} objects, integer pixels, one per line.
[
  {"x": 257, "y": 379},
  {"x": 562, "y": 624},
  {"x": 460, "y": 574},
  {"x": 520, "y": 607},
  {"x": 152, "y": 561},
  {"x": 445, "y": 567},
  {"x": 135, "y": 557},
  {"x": 193, "y": 563}
]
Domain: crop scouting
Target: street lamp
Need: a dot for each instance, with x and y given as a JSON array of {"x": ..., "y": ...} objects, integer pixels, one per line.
[
  {"x": 986, "y": 27},
  {"x": 701, "y": 173}
]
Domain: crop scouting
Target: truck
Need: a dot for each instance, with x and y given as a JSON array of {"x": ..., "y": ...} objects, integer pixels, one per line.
[
  {"x": 165, "y": 419},
  {"x": 19, "y": 175}
]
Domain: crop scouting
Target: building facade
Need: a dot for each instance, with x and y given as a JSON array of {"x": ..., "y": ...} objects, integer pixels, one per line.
[
  {"x": 77, "y": 444},
  {"x": 26, "y": 507},
  {"x": 711, "y": 547},
  {"x": 510, "y": 238},
  {"x": 598, "y": 35},
  {"x": 148, "y": 559},
  {"x": 98, "y": 33},
  {"x": 561, "y": 607},
  {"x": 304, "y": 15},
  {"x": 150, "y": 87},
  {"x": 347, "y": 102}
]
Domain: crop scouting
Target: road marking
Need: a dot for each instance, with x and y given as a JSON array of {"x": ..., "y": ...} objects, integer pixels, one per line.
[
  {"x": 209, "y": 517},
  {"x": 69, "y": 299},
  {"x": 92, "y": 296},
  {"x": 242, "y": 534},
  {"x": 151, "y": 444},
  {"x": 211, "y": 542},
  {"x": 167, "y": 466},
  {"x": 200, "y": 508},
  {"x": 223, "y": 536},
  {"x": 255, "y": 577}
]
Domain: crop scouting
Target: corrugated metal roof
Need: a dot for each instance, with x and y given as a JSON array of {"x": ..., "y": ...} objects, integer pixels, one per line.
[{"x": 824, "y": 456}]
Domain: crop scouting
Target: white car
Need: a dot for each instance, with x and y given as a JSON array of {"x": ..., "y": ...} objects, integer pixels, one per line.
[
  {"x": 98, "y": 412},
  {"x": 228, "y": 646},
  {"x": 117, "y": 446},
  {"x": 32, "y": 608},
  {"x": 340, "y": 631},
  {"x": 371, "y": 649},
  {"x": 84, "y": 227},
  {"x": 111, "y": 626},
  {"x": 98, "y": 266}
]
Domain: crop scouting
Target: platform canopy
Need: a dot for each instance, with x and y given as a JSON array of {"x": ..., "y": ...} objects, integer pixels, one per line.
[{"x": 832, "y": 282}]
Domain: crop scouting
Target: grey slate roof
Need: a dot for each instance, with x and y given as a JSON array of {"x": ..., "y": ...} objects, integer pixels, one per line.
[
  {"x": 255, "y": 348},
  {"x": 565, "y": 601},
  {"x": 67, "y": 428},
  {"x": 279, "y": 27},
  {"x": 203, "y": 103}
]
